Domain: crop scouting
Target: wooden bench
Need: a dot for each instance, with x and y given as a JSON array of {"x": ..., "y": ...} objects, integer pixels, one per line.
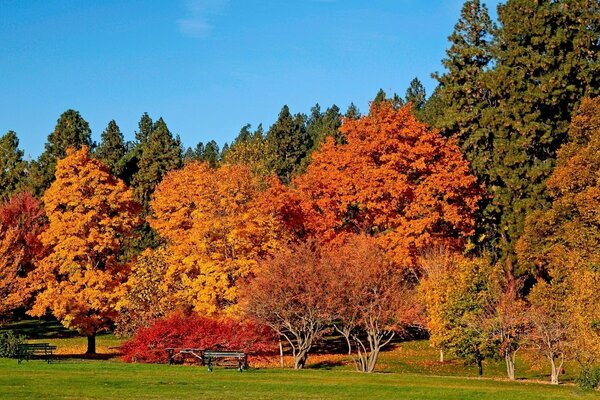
[
  {"x": 26, "y": 351},
  {"x": 238, "y": 357}
]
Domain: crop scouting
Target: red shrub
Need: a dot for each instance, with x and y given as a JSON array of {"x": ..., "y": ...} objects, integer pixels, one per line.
[{"x": 193, "y": 331}]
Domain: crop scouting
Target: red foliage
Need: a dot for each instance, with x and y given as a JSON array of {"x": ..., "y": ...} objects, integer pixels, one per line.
[{"x": 194, "y": 331}]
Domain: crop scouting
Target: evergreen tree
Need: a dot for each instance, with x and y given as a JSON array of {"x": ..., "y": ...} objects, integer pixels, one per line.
[
  {"x": 211, "y": 154},
  {"x": 189, "y": 155},
  {"x": 321, "y": 125},
  {"x": 416, "y": 94},
  {"x": 288, "y": 143},
  {"x": 160, "y": 153},
  {"x": 71, "y": 131},
  {"x": 112, "y": 147},
  {"x": 12, "y": 166},
  {"x": 352, "y": 112},
  {"x": 145, "y": 128},
  {"x": 128, "y": 166},
  {"x": 547, "y": 58}
]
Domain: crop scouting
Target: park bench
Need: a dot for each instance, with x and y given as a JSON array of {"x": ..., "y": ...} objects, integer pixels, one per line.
[
  {"x": 27, "y": 351},
  {"x": 197, "y": 353},
  {"x": 237, "y": 357}
]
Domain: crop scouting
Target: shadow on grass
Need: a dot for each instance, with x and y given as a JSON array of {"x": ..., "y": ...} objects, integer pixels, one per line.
[{"x": 42, "y": 328}]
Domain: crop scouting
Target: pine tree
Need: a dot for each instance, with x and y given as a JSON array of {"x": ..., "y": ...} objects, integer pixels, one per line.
[
  {"x": 321, "y": 125},
  {"x": 145, "y": 126},
  {"x": 71, "y": 131},
  {"x": 12, "y": 166},
  {"x": 461, "y": 105},
  {"x": 352, "y": 112},
  {"x": 211, "y": 154},
  {"x": 128, "y": 166},
  {"x": 547, "y": 58},
  {"x": 160, "y": 153},
  {"x": 416, "y": 94},
  {"x": 112, "y": 147},
  {"x": 288, "y": 143}
]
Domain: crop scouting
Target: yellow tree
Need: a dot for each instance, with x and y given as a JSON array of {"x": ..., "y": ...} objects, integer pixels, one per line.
[
  {"x": 90, "y": 213},
  {"x": 562, "y": 244},
  {"x": 215, "y": 232}
]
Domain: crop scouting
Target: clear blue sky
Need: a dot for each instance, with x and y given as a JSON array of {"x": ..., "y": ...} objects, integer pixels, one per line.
[{"x": 208, "y": 66}]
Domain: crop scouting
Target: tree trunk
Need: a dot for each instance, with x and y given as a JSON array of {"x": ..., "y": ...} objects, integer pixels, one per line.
[
  {"x": 300, "y": 359},
  {"x": 555, "y": 370},
  {"x": 480, "y": 366},
  {"x": 281, "y": 354},
  {"x": 510, "y": 365},
  {"x": 441, "y": 355},
  {"x": 91, "y": 344}
]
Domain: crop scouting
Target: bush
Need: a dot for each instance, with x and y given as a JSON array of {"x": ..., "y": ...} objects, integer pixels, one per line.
[
  {"x": 589, "y": 379},
  {"x": 193, "y": 331},
  {"x": 9, "y": 343}
]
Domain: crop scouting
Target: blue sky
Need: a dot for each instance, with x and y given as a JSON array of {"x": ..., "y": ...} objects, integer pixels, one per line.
[{"x": 208, "y": 67}]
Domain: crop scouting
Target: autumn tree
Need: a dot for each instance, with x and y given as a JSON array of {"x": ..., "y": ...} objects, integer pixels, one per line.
[
  {"x": 215, "y": 233},
  {"x": 90, "y": 213},
  {"x": 437, "y": 265},
  {"x": 145, "y": 299},
  {"x": 369, "y": 301},
  {"x": 288, "y": 295},
  {"x": 21, "y": 223},
  {"x": 562, "y": 242},
  {"x": 468, "y": 307},
  {"x": 12, "y": 165},
  {"x": 394, "y": 179}
]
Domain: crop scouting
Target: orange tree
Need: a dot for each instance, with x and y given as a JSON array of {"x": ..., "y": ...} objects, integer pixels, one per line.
[
  {"x": 215, "y": 232},
  {"x": 392, "y": 178},
  {"x": 21, "y": 221},
  {"x": 90, "y": 213}
]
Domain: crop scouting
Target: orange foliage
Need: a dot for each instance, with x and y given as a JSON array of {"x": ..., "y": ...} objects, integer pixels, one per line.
[
  {"x": 21, "y": 221},
  {"x": 215, "y": 233},
  {"x": 90, "y": 213},
  {"x": 394, "y": 179}
]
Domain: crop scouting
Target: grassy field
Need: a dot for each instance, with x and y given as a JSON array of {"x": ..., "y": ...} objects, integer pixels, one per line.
[
  {"x": 78, "y": 379},
  {"x": 408, "y": 370}
]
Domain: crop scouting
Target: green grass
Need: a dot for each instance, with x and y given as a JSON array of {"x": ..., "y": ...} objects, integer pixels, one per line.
[
  {"x": 409, "y": 370},
  {"x": 69, "y": 379}
]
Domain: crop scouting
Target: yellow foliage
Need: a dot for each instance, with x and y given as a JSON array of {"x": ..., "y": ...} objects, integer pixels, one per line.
[{"x": 215, "y": 232}]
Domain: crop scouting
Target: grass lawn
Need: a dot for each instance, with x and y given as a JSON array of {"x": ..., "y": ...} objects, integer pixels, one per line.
[
  {"x": 81, "y": 379},
  {"x": 408, "y": 370}
]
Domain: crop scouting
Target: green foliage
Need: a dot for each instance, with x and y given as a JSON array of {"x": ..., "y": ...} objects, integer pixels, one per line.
[
  {"x": 71, "y": 131},
  {"x": 352, "y": 112},
  {"x": 416, "y": 95},
  {"x": 9, "y": 342},
  {"x": 589, "y": 379},
  {"x": 288, "y": 144},
  {"x": 12, "y": 166},
  {"x": 112, "y": 147},
  {"x": 160, "y": 153}
]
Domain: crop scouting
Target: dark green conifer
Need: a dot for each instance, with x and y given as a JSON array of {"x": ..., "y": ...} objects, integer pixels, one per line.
[
  {"x": 112, "y": 147},
  {"x": 288, "y": 143},
  {"x": 12, "y": 166}
]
